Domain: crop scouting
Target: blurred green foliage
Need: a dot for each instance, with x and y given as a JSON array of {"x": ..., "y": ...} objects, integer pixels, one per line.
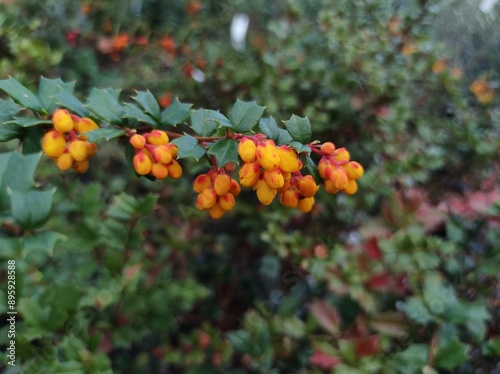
[{"x": 127, "y": 276}]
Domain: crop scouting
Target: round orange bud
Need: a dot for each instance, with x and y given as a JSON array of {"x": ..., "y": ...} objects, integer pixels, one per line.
[
  {"x": 289, "y": 198},
  {"x": 83, "y": 125},
  {"x": 289, "y": 161},
  {"x": 137, "y": 141},
  {"x": 227, "y": 201},
  {"x": 208, "y": 198},
  {"x": 267, "y": 155},
  {"x": 339, "y": 178},
  {"x": 199, "y": 202},
  {"x": 159, "y": 170},
  {"x": 53, "y": 144},
  {"x": 249, "y": 174},
  {"x": 81, "y": 166},
  {"x": 78, "y": 150},
  {"x": 330, "y": 187},
  {"x": 64, "y": 161},
  {"x": 235, "y": 188},
  {"x": 325, "y": 168},
  {"x": 354, "y": 170},
  {"x": 174, "y": 169},
  {"x": 162, "y": 154},
  {"x": 157, "y": 137},
  {"x": 265, "y": 194},
  {"x": 351, "y": 188},
  {"x": 201, "y": 183},
  {"x": 173, "y": 149},
  {"x": 222, "y": 184},
  {"x": 274, "y": 178},
  {"x": 62, "y": 121},
  {"x": 341, "y": 154},
  {"x": 92, "y": 149},
  {"x": 305, "y": 205},
  {"x": 247, "y": 150},
  {"x": 142, "y": 164},
  {"x": 216, "y": 211},
  {"x": 307, "y": 186},
  {"x": 327, "y": 148}
]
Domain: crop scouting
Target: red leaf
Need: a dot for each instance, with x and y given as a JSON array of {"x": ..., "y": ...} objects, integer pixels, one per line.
[
  {"x": 326, "y": 315},
  {"x": 323, "y": 360},
  {"x": 367, "y": 345},
  {"x": 372, "y": 249}
]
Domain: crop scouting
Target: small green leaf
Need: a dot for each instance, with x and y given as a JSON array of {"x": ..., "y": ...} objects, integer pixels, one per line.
[
  {"x": 300, "y": 148},
  {"x": 19, "y": 171},
  {"x": 269, "y": 128},
  {"x": 175, "y": 113},
  {"x": 241, "y": 340},
  {"x": 48, "y": 88},
  {"x": 200, "y": 125},
  {"x": 148, "y": 102},
  {"x": 284, "y": 137},
  {"x": 104, "y": 104},
  {"x": 245, "y": 115},
  {"x": 189, "y": 147},
  {"x": 10, "y": 248},
  {"x": 313, "y": 169},
  {"x": 415, "y": 308},
  {"x": 21, "y": 94},
  {"x": 133, "y": 111},
  {"x": 451, "y": 355},
  {"x": 225, "y": 151},
  {"x": 214, "y": 116},
  {"x": 31, "y": 209},
  {"x": 32, "y": 140},
  {"x": 299, "y": 128},
  {"x": 67, "y": 100},
  {"x": 31, "y": 311},
  {"x": 106, "y": 133},
  {"x": 9, "y": 132},
  {"x": 8, "y": 109},
  {"x": 42, "y": 242},
  {"x": 28, "y": 121}
]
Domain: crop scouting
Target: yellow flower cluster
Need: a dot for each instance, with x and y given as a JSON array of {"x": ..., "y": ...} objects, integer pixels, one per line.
[
  {"x": 216, "y": 192},
  {"x": 65, "y": 142},
  {"x": 155, "y": 155}
]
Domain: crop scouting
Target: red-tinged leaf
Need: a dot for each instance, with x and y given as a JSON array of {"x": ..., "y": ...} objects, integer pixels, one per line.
[
  {"x": 390, "y": 323},
  {"x": 326, "y": 315},
  {"x": 131, "y": 272},
  {"x": 323, "y": 360},
  {"x": 367, "y": 345},
  {"x": 372, "y": 249},
  {"x": 380, "y": 282},
  {"x": 431, "y": 217}
]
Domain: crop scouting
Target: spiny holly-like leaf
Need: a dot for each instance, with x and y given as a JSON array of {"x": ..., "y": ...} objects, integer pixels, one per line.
[
  {"x": 313, "y": 169},
  {"x": 9, "y": 132},
  {"x": 31, "y": 209},
  {"x": 245, "y": 115},
  {"x": 299, "y": 128},
  {"x": 217, "y": 117},
  {"x": 200, "y": 125},
  {"x": 269, "y": 128},
  {"x": 283, "y": 137},
  {"x": 106, "y": 133},
  {"x": 8, "y": 109},
  {"x": 104, "y": 104},
  {"x": 48, "y": 88},
  {"x": 42, "y": 241},
  {"x": 21, "y": 94},
  {"x": 225, "y": 151},
  {"x": 300, "y": 148},
  {"x": 189, "y": 147},
  {"x": 67, "y": 100},
  {"x": 176, "y": 113},
  {"x": 28, "y": 121},
  {"x": 133, "y": 111},
  {"x": 19, "y": 171},
  {"x": 148, "y": 102},
  {"x": 32, "y": 140}
]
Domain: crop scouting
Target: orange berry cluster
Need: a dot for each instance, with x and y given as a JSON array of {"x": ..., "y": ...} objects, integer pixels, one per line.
[
  {"x": 337, "y": 171},
  {"x": 65, "y": 142},
  {"x": 154, "y": 155},
  {"x": 268, "y": 169},
  {"x": 216, "y": 192}
]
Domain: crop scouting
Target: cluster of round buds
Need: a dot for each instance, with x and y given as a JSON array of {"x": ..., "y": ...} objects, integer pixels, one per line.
[
  {"x": 337, "y": 171},
  {"x": 154, "y": 155},
  {"x": 299, "y": 192},
  {"x": 216, "y": 192},
  {"x": 66, "y": 143},
  {"x": 268, "y": 169}
]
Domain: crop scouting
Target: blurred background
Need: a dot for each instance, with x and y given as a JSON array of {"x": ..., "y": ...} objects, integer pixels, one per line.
[{"x": 400, "y": 278}]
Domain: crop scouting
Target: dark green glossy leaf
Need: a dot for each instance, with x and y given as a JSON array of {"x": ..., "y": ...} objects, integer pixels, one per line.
[
  {"x": 313, "y": 169},
  {"x": 245, "y": 115},
  {"x": 28, "y": 121},
  {"x": 106, "y": 133},
  {"x": 67, "y": 100},
  {"x": 31, "y": 209},
  {"x": 176, "y": 113},
  {"x": 148, "y": 102},
  {"x": 42, "y": 242},
  {"x": 299, "y": 128},
  {"x": 133, "y": 111},
  {"x": 189, "y": 147},
  {"x": 300, "y": 148},
  {"x": 9, "y": 132},
  {"x": 269, "y": 128},
  {"x": 48, "y": 88},
  {"x": 105, "y": 105},
  {"x": 283, "y": 137},
  {"x": 200, "y": 125},
  {"x": 21, "y": 94},
  {"x": 225, "y": 151},
  {"x": 8, "y": 109}
]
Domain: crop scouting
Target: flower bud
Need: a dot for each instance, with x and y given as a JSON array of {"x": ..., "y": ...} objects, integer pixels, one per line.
[
  {"x": 274, "y": 178},
  {"x": 83, "y": 125},
  {"x": 62, "y": 121},
  {"x": 209, "y": 198},
  {"x": 173, "y": 149},
  {"x": 327, "y": 148},
  {"x": 92, "y": 149},
  {"x": 247, "y": 150},
  {"x": 162, "y": 154},
  {"x": 267, "y": 155},
  {"x": 341, "y": 154},
  {"x": 289, "y": 198},
  {"x": 351, "y": 188},
  {"x": 81, "y": 166},
  {"x": 199, "y": 202},
  {"x": 142, "y": 164},
  {"x": 289, "y": 161},
  {"x": 305, "y": 205},
  {"x": 235, "y": 188},
  {"x": 201, "y": 183},
  {"x": 354, "y": 170},
  {"x": 265, "y": 194},
  {"x": 53, "y": 144},
  {"x": 329, "y": 186},
  {"x": 339, "y": 178},
  {"x": 174, "y": 169},
  {"x": 78, "y": 150},
  {"x": 227, "y": 201},
  {"x": 307, "y": 186},
  {"x": 64, "y": 161},
  {"x": 157, "y": 137},
  {"x": 216, "y": 211},
  {"x": 138, "y": 141},
  {"x": 222, "y": 184},
  {"x": 325, "y": 168},
  {"x": 249, "y": 174},
  {"x": 159, "y": 170}
]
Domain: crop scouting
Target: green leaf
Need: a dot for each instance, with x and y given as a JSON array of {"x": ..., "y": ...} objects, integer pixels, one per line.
[
  {"x": 31, "y": 209},
  {"x": 19, "y": 171},
  {"x": 283, "y": 137},
  {"x": 148, "y": 102},
  {"x": 300, "y": 148},
  {"x": 214, "y": 116},
  {"x": 133, "y": 111},
  {"x": 175, "y": 113},
  {"x": 201, "y": 125},
  {"x": 415, "y": 308},
  {"x": 299, "y": 128},
  {"x": 241, "y": 340},
  {"x": 269, "y": 128},
  {"x": 189, "y": 147},
  {"x": 9, "y": 132},
  {"x": 28, "y": 121},
  {"x": 245, "y": 115},
  {"x": 42, "y": 242},
  {"x": 8, "y": 109},
  {"x": 32, "y": 140},
  {"x": 48, "y": 88},
  {"x": 10, "y": 248},
  {"x": 21, "y": 94},
  {"x": 67, "y": 100},
  {"x": 104, "y": 104},
  {"x": 106, "y": 133},
  {"x": 31, "y": 311},
  {"x": 225, "y": 151},
  {"x": 313, "y": 169},
  {"x": 450, "y": 355}
]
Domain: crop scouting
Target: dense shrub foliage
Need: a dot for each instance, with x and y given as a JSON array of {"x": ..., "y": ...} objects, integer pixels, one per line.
[{"x": 117, "y": 272}]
